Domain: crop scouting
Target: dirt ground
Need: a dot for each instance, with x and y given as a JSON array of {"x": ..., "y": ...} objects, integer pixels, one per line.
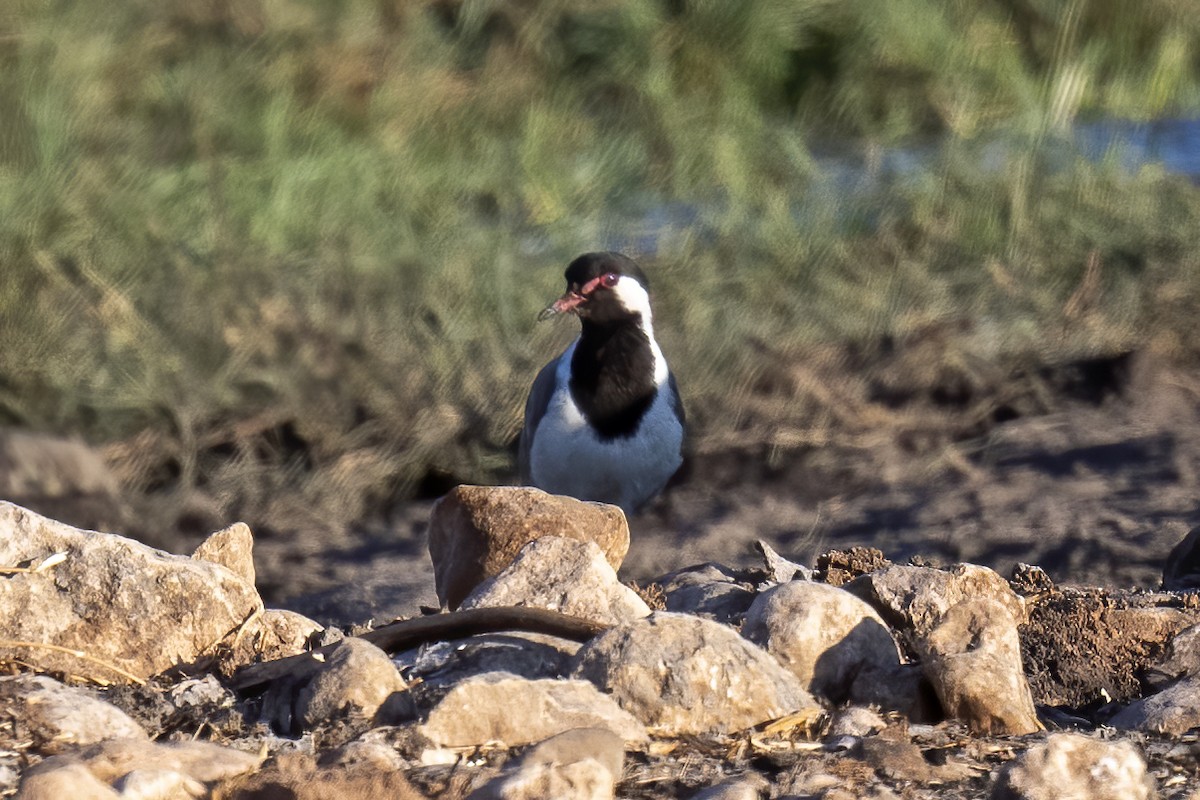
[{"x": 1096, "y": 492}]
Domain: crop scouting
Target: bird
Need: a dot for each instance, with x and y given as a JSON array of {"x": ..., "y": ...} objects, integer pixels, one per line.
[{"x": 604, "y": 420}]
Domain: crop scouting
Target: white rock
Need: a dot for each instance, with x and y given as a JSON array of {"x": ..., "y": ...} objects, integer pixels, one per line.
[
  {"x": 562, "y": 575},
  {"x": 500, "y": 707},
  {"x": 57, "y": 717},
  {"x": 579, "y": 764},
  {"x": 476, "y": 531},
  {"x": 1074, "y": 767},
  {"x": 916, "y": 598},
  {"x": 973, "y": 659},
  {"x": 823, "y": 634},
  {"x": 690, "y": 675},
  {"x": 1174, "y": 710},
  {"x": 357, "y": 677},
  {"x": 112, "y": 602}
]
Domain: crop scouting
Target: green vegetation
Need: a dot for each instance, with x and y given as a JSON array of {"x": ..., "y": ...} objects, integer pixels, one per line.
[{"x": 287, "y": 254}]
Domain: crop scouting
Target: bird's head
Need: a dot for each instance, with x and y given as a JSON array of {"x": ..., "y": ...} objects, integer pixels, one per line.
[{"x": 603, "y": 287}]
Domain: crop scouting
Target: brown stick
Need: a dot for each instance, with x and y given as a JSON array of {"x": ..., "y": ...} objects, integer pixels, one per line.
[{"x": 407, "y": 633}]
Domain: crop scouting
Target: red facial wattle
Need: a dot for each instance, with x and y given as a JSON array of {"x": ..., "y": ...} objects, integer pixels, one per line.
[{"x": 573, "y": 299}]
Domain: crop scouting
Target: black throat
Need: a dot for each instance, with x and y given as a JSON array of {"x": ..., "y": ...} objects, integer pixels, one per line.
[{"x": 612, "y": 376}]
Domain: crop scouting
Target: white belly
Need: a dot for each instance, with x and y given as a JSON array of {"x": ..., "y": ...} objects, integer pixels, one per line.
[{"x": 568, "y": 458}]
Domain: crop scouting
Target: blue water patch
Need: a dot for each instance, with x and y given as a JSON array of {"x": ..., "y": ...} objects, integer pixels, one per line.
[
  {"x": 1173, "y": 143},
  {"x": 854, "y": 177}
]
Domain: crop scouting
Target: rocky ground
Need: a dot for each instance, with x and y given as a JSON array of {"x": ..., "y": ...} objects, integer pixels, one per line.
[{"x": 844, "y": 621}]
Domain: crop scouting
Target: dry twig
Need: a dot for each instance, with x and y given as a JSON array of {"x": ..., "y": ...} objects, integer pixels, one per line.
[{"x": 18, "y": 645}]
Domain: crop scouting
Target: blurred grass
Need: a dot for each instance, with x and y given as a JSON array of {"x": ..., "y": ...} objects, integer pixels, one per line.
[{"x": 283, "y": 257}]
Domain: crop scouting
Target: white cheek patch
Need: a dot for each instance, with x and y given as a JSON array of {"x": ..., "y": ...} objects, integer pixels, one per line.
[{"x": 633, "y": 297}]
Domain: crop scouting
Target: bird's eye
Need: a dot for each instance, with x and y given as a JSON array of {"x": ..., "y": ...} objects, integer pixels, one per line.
[{"x": 609, "y": 279}]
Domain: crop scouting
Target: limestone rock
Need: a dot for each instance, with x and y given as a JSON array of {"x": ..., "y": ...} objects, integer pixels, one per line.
[
  {"x": 915, "y": 598},
  {"x": 708, "y": 590},
  {"x": 97, "y": 771},
  {"x": 232, "y": 548},
  {"x": 578, "y": 764},
  {"x": 823, "y": 634},
  {"x": 1172, "y": 711},
  {"x": 973, "y": 659},
  {"x": 55, "y": 717},
  {"x": 562, "y": 575},
  {"x": 1074, "y": 767},
  {"x": 477, "y": 531},
  {"x": 114, "y": 600},
  {"x": 500, "y": 707},
  {"x": 357, "y": 677},
  {"x": 690, "y": 675}
]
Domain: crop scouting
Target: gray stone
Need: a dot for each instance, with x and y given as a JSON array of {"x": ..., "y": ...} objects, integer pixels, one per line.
[
  {"x": 973, "y": 659},
  {"x": 1074, "y": 767},
  {"x": 780, "y": 569},
  {"x": 916, "y": 598},
  {"x": 687, "y": 675},
  {"x": 477, "y": 531},
  {"x": 562, "y": 575},
  {"x": 111, "y": 608},
  {"x": 1173, "y": 711},
  {"x": 357, "y": 677},
  {"x": 205, "y": 692},
  {"x": 500, "y": 707},
  {"x": 57, "y": 717},
  {"x": 824, "y": 635},
  {"x": 707, "y": 590}
]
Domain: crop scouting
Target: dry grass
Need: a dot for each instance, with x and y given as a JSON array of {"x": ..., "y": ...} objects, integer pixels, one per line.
[{"x": 283, "y": 261}]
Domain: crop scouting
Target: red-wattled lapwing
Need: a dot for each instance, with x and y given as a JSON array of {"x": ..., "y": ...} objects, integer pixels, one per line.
[{"x": 604, "y": 420}]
